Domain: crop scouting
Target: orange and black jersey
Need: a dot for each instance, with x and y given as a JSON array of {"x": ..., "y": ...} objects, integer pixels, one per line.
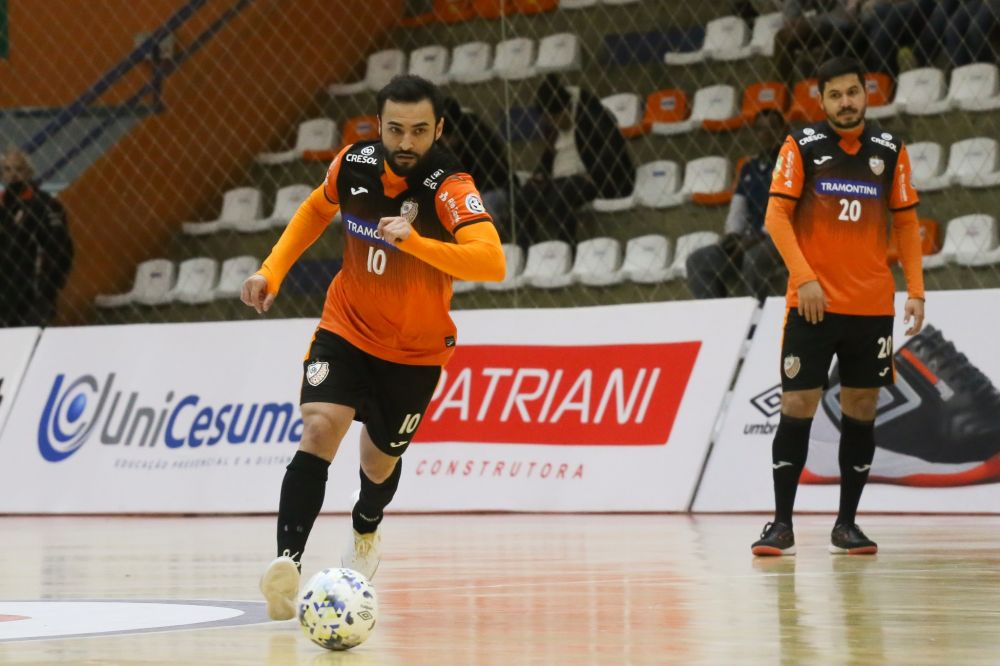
[
  {"x": 392, "y": 300},
  {"x": 841, "y": 189}
]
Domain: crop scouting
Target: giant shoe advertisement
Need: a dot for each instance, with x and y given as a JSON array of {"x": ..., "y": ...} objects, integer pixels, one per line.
[{"x": 937, "y": 430}]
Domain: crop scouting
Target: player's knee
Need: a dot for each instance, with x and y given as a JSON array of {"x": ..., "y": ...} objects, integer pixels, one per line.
[
  {"x": 859, "y": 405},
  {"x": 319, "y": 435},
  {"x": 800, "y": 404}
]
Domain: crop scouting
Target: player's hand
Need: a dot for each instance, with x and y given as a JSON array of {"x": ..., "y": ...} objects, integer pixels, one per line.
[
  {"x": 812, "y": 302},
  {"x": 394, "y": 229},
  {"x": 254, "y": 293},
  {"x": 914, "y": 311}
]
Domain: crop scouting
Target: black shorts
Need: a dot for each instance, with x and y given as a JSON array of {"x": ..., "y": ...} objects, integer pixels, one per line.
[
  {"x": 863, "y": 345},
  {"x": 389, "y": 398}
]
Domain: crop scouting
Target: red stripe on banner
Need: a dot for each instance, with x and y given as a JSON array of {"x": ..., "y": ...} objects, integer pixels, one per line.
[
  {"x": 13, "y": 618},
  {"x": 617, "y": 395}
]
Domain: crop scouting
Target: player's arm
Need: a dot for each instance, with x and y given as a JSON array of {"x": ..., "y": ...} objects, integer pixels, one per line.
[
  {"x": 786, "y": 188},
  {"x": 307, "y": 225},
  {"x": 475, "y": 256},
  {"x": 903, "y": 205}
]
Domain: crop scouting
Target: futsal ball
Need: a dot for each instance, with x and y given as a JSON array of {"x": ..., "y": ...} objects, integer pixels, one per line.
[{"x": 338, "y": 609}]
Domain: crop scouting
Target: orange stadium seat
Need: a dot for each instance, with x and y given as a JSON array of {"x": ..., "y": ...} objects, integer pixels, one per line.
[
  {"x": 879, "y": 87},
  {"x": 930, "y": 241},
  {"x": 492, "y": 9},
  {"x": 360, "y": 128},
  {"x": 454, "y": 11},
  {"x": 535, "y": 6},
  {"x": 665, "y": 106},
  {"x": 805, "y": 102}
]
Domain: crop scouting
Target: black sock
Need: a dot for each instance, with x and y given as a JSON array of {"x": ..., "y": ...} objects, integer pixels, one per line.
[
  {"x": 302, "y": 494},
  {"x": 788, "y": 457},
  {"x": 857, "y": 450},
  {"x": 374, "y": 498}
]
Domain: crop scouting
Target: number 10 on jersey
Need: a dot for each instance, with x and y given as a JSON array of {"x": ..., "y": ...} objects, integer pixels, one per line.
[{"x": 376, "y": 260}]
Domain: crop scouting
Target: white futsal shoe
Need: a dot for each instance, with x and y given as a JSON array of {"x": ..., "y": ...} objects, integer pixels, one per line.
[
  {"x": 280, "y": 586},
  {"x": 364, "y": 553}
]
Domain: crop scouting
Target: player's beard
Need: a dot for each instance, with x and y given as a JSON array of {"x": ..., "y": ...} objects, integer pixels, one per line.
[
  {"x": 842, "y": 125},
  {"x": 407, "y": 169}
]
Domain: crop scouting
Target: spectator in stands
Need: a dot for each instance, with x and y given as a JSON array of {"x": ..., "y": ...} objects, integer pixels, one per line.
[
  {"x": 964, "y": 29},
  {"x": 746, "y": 252},
  {"x": 831, "y": 29},
  {"x": 483, "y": 153},
  {"x": 36, "y": 251},
  {"x": 585, "y": 158},
  {"x": 889, "y": 25}
]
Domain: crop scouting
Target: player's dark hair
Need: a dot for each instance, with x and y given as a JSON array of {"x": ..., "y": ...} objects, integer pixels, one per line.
[
  {"x": 839, "y": 66},
  {"x": 411, "y": 89},
  {"x": 552, "y": 97}
]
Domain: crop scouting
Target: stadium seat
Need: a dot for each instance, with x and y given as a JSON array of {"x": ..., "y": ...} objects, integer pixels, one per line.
[
  {"x": 360, "y": 128},
  {"x": 975, "y": 87},
  {"x": 926, "y": 165},
  {"x": 548, "y": 265},
  {"x": 920, "y": 92},
  {"x": 707, "y": 181},
  {"x": 430, "y": 62},
  {"x": 973, "y": 162},
  {"x": 531, "y": 7},
  {"x": 576, "y": 4},
  {"x": 286, "y": 202},
  {"x": 471, "y": 62},
  {"x": 492, "y": 9},
  {"x": 806, "y": 106},
  {"x": 756, "y": 98},
  {"x": 726, "y": 38},
  {"x": 318, "y": 134},
  {"x": 664, "y": 108},
  {"x": 381, "y": 67},
  {"x": 765, "y": 27},
  {"x": 647, "y": 259},
  {"x": 627, "y": 109},
  {"x": 710, "y": 103},
  {"x": 233, "y": 274},
  {"x": 658, "y": 184},
  {"x": 454, "y": 11},
  {"x": 515, "y": 59},
  {"x": 879, "y": 87},
  {"x": 153, "y": 281},
  {"x": 597, "y": 262},
  {"x": 558, "y": 53},
  {"x": 242, "y": 203},
  {"x": 686, "y": 245},
  {"x": 973, "y": 237},
  {"x": 195, "y": 281},
  {"x": 514, "y": 256}
]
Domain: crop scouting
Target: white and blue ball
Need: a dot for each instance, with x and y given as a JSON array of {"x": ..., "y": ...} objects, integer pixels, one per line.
[{"x": 338, "y": 609}]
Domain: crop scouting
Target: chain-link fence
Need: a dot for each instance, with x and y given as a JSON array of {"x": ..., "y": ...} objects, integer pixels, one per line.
[{"x": 623, "y": 146}]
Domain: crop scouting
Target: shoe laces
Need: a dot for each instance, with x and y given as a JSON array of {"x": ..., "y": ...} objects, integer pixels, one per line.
[
  {"x": 943, "y": 358},
  {"x": 767, "y": 528},
  {"x": 363, "y": 544}
]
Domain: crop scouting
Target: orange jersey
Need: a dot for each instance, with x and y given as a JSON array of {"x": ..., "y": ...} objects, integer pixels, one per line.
[
  {"x": 840, "y": 189},
  {"x": 392, "y": 301}
]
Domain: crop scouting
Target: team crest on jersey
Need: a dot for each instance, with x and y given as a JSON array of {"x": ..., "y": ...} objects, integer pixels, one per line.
[
  {"x": 792, "y": 365},
  {"x": 877, "y": 165},
  {"x": 409, "y": 210},
  {"x": 316, "y": 372}
]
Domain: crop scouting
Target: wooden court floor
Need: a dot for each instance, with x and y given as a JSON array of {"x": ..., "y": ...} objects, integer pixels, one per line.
[{"x": 524, "y": 589}]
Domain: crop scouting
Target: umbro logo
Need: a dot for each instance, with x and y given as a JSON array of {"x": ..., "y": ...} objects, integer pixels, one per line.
[
  {"x": 359, "y": 190},
  {"x": 823, "y": 160},
  {"x": 780, "y": 464}
]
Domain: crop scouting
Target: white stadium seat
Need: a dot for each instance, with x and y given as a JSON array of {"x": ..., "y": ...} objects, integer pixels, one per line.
[
  {"x": 975, "y": 162},
  {"x": 975, "y": 87},
  {"x": 658, "y": 185},
  {"x": 514, "y": 257},
  {"x": 196, "y": 280},
  {"x": 718, "y": 102},
  {"x": 153, "y": 281},
  {"x": 471, "y": 62},
  {"x": 686, "y": 245},
  {"x": 597, "y": 261},
  {"x": 926, "y": 162},
  {"x": 239, "y": 204},
  {"x": 765, "y": 27},
  {"x": 548, "y": 265},
  {"x": 920, "y": 92},
  {"x": 627, "y": 108},
  {"x": 381, "y": 67},
  {"x": 647, "y": 259},
  {"x": 558, "y": 53},
  {"x": 706, "y": 175},
  {"x": 970, "y": 240},
  {"x": 727, "y": 38},
  {"x": 430, "y": 62},
  {"x": 515, "y": 59},
  {"x": 286, "y": 202},
  {"x": 233, "y": 274},
  {"x": 315, "y": 134}
]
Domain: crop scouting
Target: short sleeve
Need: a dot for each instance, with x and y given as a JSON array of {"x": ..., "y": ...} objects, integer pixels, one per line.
[
  {"x": 788, "y": 176},
  {"x": 330, "y": 182},
  {"x": 903, "y": 195},
  {"x": 459, "y": 203}
]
